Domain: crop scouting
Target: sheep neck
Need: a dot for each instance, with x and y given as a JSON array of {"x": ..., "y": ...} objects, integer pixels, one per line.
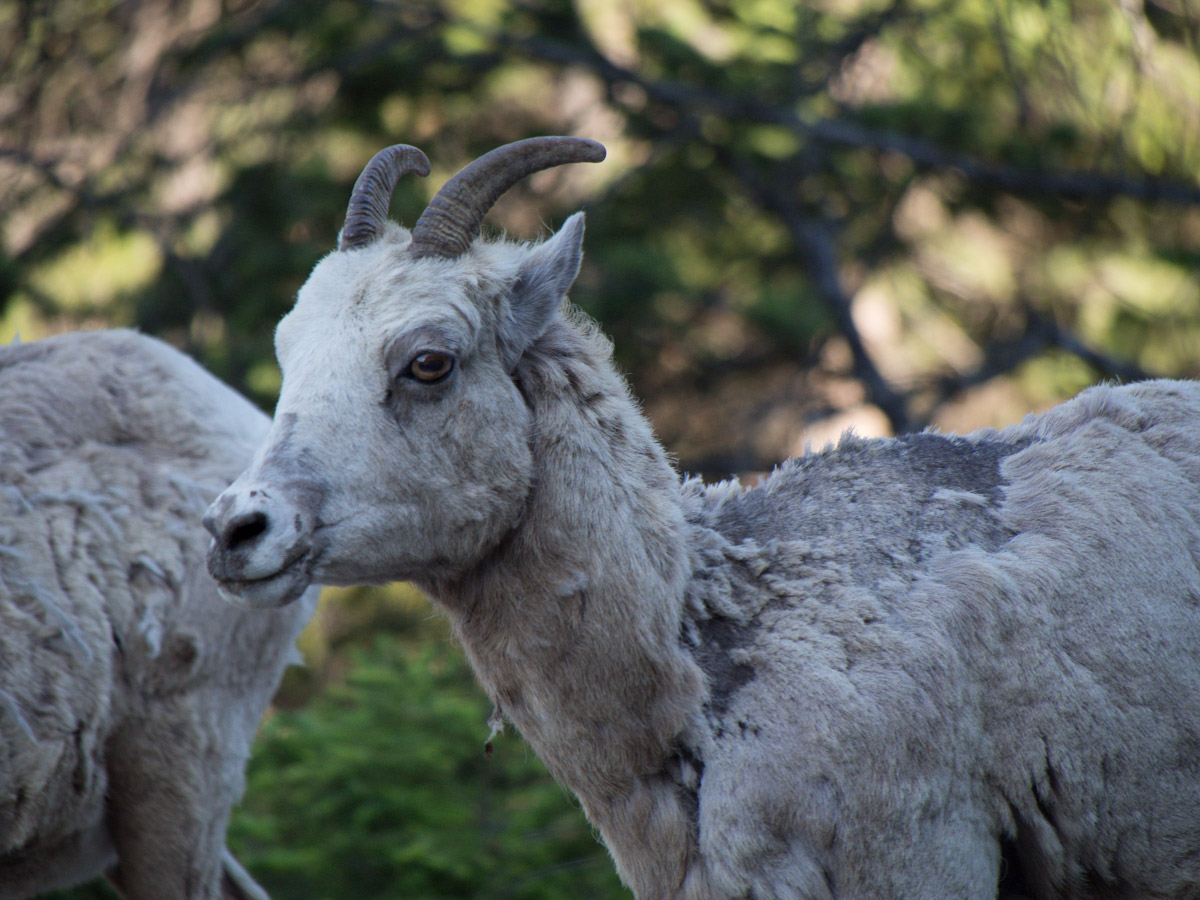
[{"x": 572, "y": 625}]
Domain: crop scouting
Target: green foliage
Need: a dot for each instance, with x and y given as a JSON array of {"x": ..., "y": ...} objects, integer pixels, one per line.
[
  {"x": 380, "y": 788},
  {"x": 94, "y": 890},
  {"x": 889, "y": 128}
]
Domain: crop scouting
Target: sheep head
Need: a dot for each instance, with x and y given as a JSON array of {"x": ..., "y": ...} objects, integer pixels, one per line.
[{"x": 400, "y": 446}]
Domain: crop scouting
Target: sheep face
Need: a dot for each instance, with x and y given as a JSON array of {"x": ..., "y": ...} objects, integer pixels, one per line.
[{"x": 400, "y": 446}]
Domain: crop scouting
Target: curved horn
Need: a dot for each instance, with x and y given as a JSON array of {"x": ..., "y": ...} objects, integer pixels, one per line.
[
  {"x": 454, "y": 216},
  {"x": 372, "y": 194}
]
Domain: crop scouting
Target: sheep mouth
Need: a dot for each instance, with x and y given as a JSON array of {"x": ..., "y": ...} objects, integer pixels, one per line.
[{"x": 276, "y": 589}]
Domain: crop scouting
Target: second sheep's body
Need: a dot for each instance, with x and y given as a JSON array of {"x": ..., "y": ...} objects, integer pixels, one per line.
[{"x": 130, "y": 691}]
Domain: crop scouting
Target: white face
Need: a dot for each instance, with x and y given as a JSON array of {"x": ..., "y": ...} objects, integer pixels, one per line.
[{"x": 400, "y": 446}]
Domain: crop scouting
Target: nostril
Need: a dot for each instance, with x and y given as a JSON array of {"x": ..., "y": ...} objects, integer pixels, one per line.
[{"x": 244, "y": 529}]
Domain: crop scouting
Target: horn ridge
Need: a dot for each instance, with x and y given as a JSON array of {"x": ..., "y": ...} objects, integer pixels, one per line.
[
  {"x": 372, "y": 194},
  {"x": 454, "y": 217}
]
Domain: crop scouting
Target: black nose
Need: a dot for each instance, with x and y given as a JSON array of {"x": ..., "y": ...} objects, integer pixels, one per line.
[{"x": 239, "y": 530}]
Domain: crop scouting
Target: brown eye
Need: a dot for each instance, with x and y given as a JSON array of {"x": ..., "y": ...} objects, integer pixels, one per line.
[{"x": 430, "y": 367}]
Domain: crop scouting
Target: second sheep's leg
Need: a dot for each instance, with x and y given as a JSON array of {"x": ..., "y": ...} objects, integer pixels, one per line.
[{"x": 170, "y": 803}]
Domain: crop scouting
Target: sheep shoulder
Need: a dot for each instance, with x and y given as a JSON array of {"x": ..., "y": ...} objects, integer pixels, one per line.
[{"x": 979, "y": 642}]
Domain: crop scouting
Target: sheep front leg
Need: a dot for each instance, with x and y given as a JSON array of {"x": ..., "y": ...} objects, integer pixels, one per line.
[{"x": 169, "y": 800}]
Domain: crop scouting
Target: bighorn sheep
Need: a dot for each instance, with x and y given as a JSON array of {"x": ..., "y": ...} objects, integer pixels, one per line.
[
  {"x": 926, "y": 667},
  {"x": 129, "y": 692}
]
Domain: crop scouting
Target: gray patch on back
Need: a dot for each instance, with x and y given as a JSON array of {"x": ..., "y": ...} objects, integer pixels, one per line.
[
  {"x": 872, "y": 501},
  {"x": 876, "y": 512},
  {"x": 719, "y": 638}
]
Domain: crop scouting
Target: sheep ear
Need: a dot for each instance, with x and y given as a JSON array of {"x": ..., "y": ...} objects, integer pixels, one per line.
[{"x": 538, "y": 290}]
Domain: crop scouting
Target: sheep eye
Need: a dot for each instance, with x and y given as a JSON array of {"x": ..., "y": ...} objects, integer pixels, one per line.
[{"x": 431, "y": 366}]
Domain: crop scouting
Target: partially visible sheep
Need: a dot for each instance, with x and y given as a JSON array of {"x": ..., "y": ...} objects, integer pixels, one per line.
[{"x": 129, "y": 691}]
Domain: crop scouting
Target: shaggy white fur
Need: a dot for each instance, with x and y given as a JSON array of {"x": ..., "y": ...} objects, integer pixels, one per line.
[{"x": 129, "y": 693}]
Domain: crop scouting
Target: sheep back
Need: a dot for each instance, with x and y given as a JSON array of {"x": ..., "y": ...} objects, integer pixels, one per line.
[{"x": 936, "y": 653}]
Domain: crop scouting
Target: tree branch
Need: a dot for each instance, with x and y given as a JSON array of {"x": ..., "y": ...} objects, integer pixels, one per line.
[
  {"x": 813, "y": 240},
  {"x": 190, "y": 272},
  {"x": 1004, "y": 356},
  {"x": 1059, "y": 337},
  {"x": 841, "y": 132}
]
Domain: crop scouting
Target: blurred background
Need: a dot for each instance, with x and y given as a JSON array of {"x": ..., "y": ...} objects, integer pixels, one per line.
[{"x": 872, "y": 214}]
